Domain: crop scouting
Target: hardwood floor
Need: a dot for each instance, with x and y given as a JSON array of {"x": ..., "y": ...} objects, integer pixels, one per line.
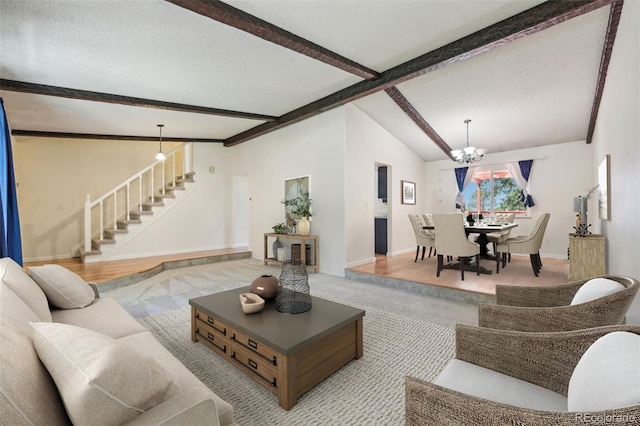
[
  {"x": 105, "y": 271},
  {"x": 401, "y": 267},
  {"x": 517, "y": 272}
]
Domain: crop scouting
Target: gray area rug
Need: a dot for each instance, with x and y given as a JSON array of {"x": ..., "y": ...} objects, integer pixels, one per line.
[
  {"x": 172, "y": 289},
  {"x": 368, "y": 391}
]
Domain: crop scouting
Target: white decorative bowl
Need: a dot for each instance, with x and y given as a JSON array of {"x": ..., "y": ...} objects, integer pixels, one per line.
[{"x": 251, "y": 303}]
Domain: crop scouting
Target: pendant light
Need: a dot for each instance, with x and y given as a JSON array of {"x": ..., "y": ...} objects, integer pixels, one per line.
[{"x": 160, "y": 156}]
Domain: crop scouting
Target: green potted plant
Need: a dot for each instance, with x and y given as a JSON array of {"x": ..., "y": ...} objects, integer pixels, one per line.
[
  {"x": 301, "y": 207},
  {"x": 280, "y": 228}
]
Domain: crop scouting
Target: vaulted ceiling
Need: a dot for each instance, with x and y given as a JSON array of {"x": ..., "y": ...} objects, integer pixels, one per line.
[{"x": 527, "y": 73}]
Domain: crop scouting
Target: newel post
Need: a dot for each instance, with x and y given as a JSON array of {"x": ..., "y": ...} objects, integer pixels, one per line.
[
  {"x": 188, "y": 158},
  {"x": 87, "y": 223}
]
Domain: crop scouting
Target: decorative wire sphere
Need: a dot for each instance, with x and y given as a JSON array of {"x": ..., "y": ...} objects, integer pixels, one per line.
[{"x": 294, "y": 296}]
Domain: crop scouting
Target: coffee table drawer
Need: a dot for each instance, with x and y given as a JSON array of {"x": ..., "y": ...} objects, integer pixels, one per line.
[
  {"x": 213, "y": 323},
  {"x": 252, "y": 345},
  {"x": 260, "y": 367},
  {"x": 214, "y": 339}
]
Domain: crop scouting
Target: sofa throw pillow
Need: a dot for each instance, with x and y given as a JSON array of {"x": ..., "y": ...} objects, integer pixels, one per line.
[
  {"x": 100, "y": 380},
  {"x": 596, "y": 288},
  {"x": 64, "y": 289},
  {"x": 608, "y": 375}
]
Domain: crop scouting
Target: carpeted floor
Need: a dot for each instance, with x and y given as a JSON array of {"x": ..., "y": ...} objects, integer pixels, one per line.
[
  {"x": 368, "y": 391},
  {"x": 404, "y": 334},
  {"x": 173, "y": 288}
]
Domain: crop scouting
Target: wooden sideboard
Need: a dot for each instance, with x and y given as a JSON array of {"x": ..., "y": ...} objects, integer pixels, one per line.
[
  {"x": 302, "y": 240},
  {"x": 586, "y": 256}
]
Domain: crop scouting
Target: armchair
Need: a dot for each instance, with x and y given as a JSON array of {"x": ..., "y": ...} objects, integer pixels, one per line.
[
  {"x": 576, "y": 305},
  {"x": 512, "y": 378}
]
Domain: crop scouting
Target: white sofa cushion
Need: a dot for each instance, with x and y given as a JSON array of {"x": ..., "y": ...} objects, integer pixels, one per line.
[
  {"x": 100, "y": 381},
  {"x": 64, "y": 289},
  {"x": 596, "y": 288},
  {"x": 25, "y": 288},
  {"x": 483, "y": 383},
  {"x": 608, "y": 374}
]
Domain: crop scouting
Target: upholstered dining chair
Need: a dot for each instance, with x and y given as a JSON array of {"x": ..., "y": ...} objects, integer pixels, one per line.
[
  {"x": 503, "y": 377},
  {"x": 593, "y": 302},
  {"x": 498, "y": 237},
  {"x": 451, "y": 240},
  {"x": 529, "y": 244},
  {"x": 423, "y": 238}
]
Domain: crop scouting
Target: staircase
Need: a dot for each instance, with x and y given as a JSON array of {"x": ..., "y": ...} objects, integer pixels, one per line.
[{"x": 122, "y": 212}]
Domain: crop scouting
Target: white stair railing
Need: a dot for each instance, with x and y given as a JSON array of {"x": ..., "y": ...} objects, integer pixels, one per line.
[{"x": 180, "y": 164}]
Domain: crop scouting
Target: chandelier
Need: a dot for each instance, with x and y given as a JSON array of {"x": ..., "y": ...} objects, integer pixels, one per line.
[
  {"x": 160, "y": 156},
  {"x": 469, "y": 154}
]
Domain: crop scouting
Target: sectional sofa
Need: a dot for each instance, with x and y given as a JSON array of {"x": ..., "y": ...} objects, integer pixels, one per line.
[{"x": 68, "y": 356}]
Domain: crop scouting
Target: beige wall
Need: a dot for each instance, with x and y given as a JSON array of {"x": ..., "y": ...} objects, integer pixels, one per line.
[{"x": 55, "y": 175}]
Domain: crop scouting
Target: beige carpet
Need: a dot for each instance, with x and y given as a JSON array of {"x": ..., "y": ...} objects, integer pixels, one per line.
[{"x": 368, "y": 391}]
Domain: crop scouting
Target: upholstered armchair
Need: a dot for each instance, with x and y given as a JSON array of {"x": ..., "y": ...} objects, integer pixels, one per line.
[
  {"x": 528, "y": 244},
  {"x": 424, "y": 239},
  {"x": 595, "y": 302},
  {"x": 513, "y": 378},
  {"x": 451, "y": 240}
]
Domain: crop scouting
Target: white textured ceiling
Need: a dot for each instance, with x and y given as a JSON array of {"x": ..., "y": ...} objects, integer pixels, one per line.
[{"x": 535, "y": 91}]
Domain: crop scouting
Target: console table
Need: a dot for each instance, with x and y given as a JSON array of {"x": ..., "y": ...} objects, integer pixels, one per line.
[
  {"x": 302, "y": 239},
  {"x": 586, "y": 256}
]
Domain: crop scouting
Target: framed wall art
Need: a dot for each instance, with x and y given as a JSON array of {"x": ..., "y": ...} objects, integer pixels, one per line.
[
  {"x": 408, "y": 192},
  {"x": 293, "y": 188},
  {"x": 604, "y": 188}
]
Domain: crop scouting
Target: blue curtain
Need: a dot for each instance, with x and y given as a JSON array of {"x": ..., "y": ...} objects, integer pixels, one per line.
[
  {"x": 461, "y": 174},
  {"x": 525, "y": 169},
  {"x": 10, "y": 242}
]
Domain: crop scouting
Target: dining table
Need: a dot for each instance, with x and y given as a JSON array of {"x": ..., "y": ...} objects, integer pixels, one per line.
[{"x": 482, "y": 228}]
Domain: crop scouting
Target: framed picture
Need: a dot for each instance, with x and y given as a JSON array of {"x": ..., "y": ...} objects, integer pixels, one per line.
[
  {"x": 292, "y": 189},
  {"x": 408, "y": 192},
  {"x": 604, "y": 188}
]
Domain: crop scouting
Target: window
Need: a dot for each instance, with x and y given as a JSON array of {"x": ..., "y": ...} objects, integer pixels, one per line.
[{"x": 494, "y": 190}]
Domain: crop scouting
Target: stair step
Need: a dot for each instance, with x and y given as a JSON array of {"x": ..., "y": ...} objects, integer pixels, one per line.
[
  {"x": 84, "y": 253},
  {"x": 166, "y": 195},
  {"x": 98, "y": 243},
  {"x": 126, "y": 222},
  {"x": 149, "y": 205},
  {"x": 110, "y": 233}
]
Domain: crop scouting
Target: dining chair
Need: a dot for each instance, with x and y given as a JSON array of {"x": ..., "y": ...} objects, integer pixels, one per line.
[
  {"x": 498, "y": 237},
  {"x": 451, "y": 240},
  {"x": 528, "y": 244},
  {"x": 423, "y": 238}
]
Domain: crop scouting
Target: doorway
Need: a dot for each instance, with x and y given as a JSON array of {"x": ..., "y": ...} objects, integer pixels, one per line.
[{"x": 381, "y": 212}]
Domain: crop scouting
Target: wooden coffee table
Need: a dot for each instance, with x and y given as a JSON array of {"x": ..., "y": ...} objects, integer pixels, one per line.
[{"x": 288, "y": 354}]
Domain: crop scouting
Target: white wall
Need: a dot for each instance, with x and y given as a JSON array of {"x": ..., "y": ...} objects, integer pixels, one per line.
[
  {"x": 367, "y": 143},
  {"x": 315, "y": 148},
  {"x": 559, "y": 173},
  {"x": 617, "y": 133}
]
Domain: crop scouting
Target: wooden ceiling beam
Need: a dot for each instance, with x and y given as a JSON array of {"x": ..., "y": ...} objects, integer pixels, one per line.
[
  {"x": 529, "y": 22},
  {"x": 610, "y": 38},
  {"x": 417, "y": 118},
  {"x": 86, "y": 95},
  {"x": 62, "y": 135},
  {"x": 229, "y": 15}
]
